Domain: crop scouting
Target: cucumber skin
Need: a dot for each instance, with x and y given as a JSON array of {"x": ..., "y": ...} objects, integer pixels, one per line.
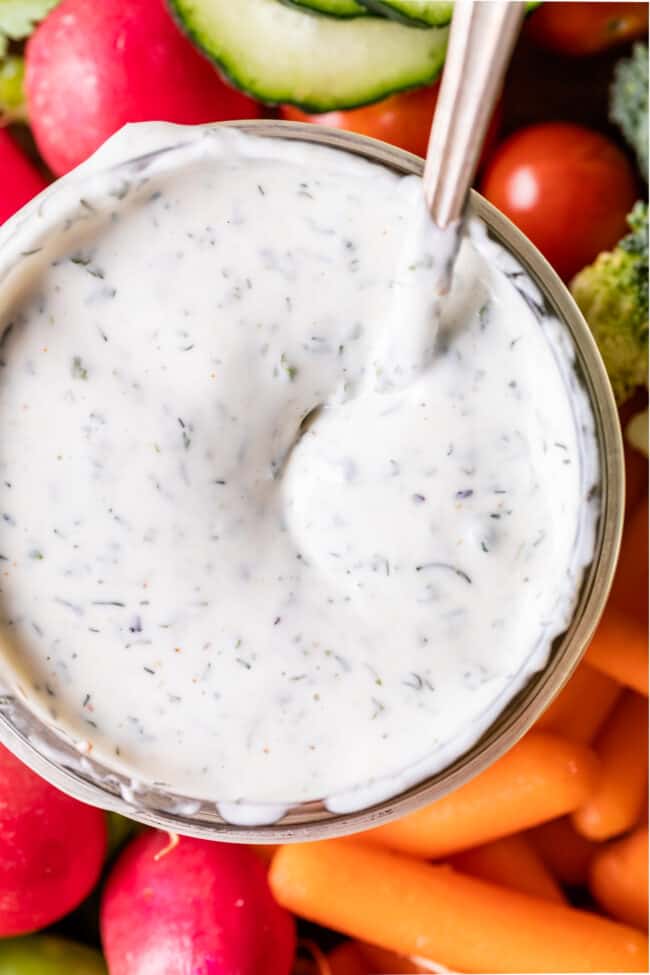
[
  {"x": 315, "y": 108},
  {"x": 383, "y": 9},
  {"x": 306, "y": 7}
]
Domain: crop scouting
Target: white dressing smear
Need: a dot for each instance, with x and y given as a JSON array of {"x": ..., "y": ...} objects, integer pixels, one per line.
[{"x": 211, "y": 595}]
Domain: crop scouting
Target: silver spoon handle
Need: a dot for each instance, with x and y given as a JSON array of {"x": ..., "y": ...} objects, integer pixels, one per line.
[{"x": 481, "y": 40}]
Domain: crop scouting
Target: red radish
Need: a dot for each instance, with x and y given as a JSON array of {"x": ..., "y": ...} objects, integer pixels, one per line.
[
  {"x": 93, "y": 66},
  {"x": 51, "y": 849},
  {"x": 193, "y": 906},
  {"x": 20, "y": 178}
]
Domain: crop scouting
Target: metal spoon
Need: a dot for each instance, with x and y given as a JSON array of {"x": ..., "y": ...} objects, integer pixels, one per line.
[{"x": 481, "y": 40}]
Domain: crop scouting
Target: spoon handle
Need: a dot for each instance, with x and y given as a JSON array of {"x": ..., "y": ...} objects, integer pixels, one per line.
[{"x": 481, "y": 40}]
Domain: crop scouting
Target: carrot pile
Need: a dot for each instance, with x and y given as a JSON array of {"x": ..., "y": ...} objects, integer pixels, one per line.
[
  {"x": 486, "y": 878},
  {"x": 619, "y": 649},
  {"x": 542, "y": 777},
  {"x": 511, "y": 862},
  {"x": 422, "y": 909}
]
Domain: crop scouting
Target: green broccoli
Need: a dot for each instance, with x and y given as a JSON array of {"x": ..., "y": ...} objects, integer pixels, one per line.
[
  {"x": 613, "y": 296},
  {"x": 629, "y": 102}
]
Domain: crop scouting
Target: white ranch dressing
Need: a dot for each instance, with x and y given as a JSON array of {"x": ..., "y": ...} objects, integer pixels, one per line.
[{"x": 203, "y": 597}]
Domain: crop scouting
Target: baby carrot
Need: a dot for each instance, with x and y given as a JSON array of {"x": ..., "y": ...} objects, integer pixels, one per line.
[
  {"x": 582, "y": 705},
  {"x": 618, "y": 878},
  {"x": 620, "y": 649},
  {"x": 383, "y": 962},
  {"x": 346, "y": 959},
  {"x": 565, "y": 852},
  {"x": 511, "y": 862},
  {"x": 630, "y": 589},
  {"x": 416, "y": 908},
  {"x": 542, "y": 777},
  {"x": 618, "y": 799}
]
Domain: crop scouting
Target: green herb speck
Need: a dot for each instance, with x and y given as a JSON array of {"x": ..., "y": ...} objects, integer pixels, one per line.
[
  {"x": 291, "y": 371},
  {"x": 78, "y": 369}
]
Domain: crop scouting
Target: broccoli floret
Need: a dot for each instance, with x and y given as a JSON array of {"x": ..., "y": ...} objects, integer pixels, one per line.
[
  {"x": 629, "y": 102},
  {"x": 613, "y": 296}
]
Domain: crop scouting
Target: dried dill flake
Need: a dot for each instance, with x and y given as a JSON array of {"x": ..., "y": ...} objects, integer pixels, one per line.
[
  {"x": 78, "y": 369},
  {"x": 290, "y": 371}
]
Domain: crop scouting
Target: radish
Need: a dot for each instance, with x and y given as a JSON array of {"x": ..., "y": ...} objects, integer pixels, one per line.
[
  {"x": 93, "y": 66},
  {"x": 20, "y": 178},
  {"x": 174, "y": 907},
  {"x": 51, "y": 849}
]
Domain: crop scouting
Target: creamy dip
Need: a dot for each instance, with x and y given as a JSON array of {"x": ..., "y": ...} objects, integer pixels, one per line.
[{"x": 238, "y": 559}]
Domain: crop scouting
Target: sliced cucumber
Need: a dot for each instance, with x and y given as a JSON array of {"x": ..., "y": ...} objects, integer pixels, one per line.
[
  {"x": 279, "y": 54},
  {"x": 413, "y": 13},
  {"x": 419, "y": 13},
  {"x": 332, "y": 8}
]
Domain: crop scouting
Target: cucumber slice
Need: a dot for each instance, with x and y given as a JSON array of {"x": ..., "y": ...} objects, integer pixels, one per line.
[
  {"x": 413, "y": 13},
  {"x": 419, "y": 13},
  {"x": 279, "y": 54},
  {"x": 332, "y": 8}
]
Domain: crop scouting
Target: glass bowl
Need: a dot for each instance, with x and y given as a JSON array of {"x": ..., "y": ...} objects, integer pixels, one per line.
[{"x": 54, "y": 758}]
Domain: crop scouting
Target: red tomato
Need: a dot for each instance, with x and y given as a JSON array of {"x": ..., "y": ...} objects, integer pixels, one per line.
[
  {"x": 567, "y": 188},
  {"x": 403, "y": 120},
  {"x": 585, "y": 28}
]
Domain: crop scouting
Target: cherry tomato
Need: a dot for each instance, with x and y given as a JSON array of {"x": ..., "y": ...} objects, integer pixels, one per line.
[
  {"x": 585, "y": 28},
  {"x": 567, "y": 188},
  {"x": 403, "y": 120}
]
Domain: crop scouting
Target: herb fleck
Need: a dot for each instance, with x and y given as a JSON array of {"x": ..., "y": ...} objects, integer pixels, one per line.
[
  {"x": 447, "y": 566},
  {"x": 290, "y": 370},
  {"x": 78, "y": 369}
]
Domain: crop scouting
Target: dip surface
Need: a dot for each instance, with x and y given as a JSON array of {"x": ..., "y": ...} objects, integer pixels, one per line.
[{"x": 205, "y": 591}]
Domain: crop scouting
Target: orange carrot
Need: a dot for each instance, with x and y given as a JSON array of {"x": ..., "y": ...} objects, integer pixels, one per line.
[
  {"x": 617, "y": 802},
  {"x": 347, "y": 959},
  {"x": 542, "y": 777},
  {"x": 383, "y": 962},
  {"x": 582, "y": 705},
  {"x": 565, "y": 852},
  {"x": 630, "y": 589},
  {"x": 511, "y": 862},
  {"x": 620, "y": 649},
  {"x": 619, "y": 878},
  {"x": 416, "y": 908}
]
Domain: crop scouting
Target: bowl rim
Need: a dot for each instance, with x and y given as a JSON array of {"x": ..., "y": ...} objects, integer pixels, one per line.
[{"x": 310, "y": 820}]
